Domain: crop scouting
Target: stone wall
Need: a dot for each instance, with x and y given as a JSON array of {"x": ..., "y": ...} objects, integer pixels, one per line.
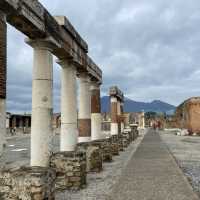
[
  {"x": 94, "y": 158},
  {"x": 70, "y": 170},
  {"x": 34, "y": 183}
]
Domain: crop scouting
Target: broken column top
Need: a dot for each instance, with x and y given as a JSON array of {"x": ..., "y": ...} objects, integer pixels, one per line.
[{"x": 116, "y": 92}]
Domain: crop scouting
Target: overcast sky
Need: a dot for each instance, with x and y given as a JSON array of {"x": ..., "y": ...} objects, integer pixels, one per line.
[{"x": 149, "y": 48}]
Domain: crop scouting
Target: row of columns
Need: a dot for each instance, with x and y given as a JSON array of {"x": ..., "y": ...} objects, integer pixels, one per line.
[{"x": 72, "y": 131}]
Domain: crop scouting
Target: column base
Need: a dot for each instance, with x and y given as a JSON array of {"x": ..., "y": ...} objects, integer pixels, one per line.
[
  {"x": 70, "y": 170},
  {"x": 115, "y": 145},
  {"x": 106, "y": 149},
  {"x": 84, "y": 139},
  {"x": 94, "y": 162},
  {"x": 35, "y": 183}
]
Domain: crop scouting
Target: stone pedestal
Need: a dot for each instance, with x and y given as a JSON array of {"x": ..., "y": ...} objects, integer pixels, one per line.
[
  {"x": 115, "y": 145},
  {"x": 93, "y": 156},
  {"x": 70, "y": 170},
  {"x": 35, "y": 183}
]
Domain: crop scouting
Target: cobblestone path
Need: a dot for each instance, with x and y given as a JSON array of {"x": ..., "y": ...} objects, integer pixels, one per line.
[{"x": 152, "y": 174}]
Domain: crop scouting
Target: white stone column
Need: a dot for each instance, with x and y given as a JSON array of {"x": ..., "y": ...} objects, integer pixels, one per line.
[
  {"x": 122, "y": 116},
  {"x": 84, "y": 116},
  {"x": 143, "y": 120},
  {"x": 95, "y": 111},
  {"x": 42, "y": 103},
  {"x": 114, "y": 118},
  {"x": 69, "y": 129}
]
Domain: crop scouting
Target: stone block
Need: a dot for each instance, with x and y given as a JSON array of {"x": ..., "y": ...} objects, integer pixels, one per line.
[
  {"x": 94, "y": 158},
  {"x": 27, "y": 183},
  {"x": 70, "y": 170}
]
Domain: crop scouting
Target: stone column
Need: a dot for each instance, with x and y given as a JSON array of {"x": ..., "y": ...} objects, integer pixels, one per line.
[
  {"x": 114, "y": 117},
  {"x": 69, "y": 130},
  {"x": 143, "y": 120},
  {"x": 42, "y": 105},
  {"x": 122, "y": 116},
  {"x": 3, "y": 69},
  {"x": 95, "y": 111},
  {"x": 84, "y": 117},
  {"x": 119, "y": 116}
]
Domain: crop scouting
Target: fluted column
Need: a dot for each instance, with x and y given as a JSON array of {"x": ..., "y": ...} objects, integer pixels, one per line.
[
  {"x": 3, "y": 69},
  {"x": 42, "y": 103},
  {"x": 95, "y": 111},
  {"x": 84, "y": 117},
  {"x": 114, "y": 116},
  {"x": 69, "y": 130}
]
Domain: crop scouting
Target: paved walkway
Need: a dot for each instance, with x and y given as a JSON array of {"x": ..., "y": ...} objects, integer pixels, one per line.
[{"x": 152, "y": 174}]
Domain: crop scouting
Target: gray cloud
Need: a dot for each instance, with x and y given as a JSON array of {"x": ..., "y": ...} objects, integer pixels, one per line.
[{"x": 150, "y": 49}]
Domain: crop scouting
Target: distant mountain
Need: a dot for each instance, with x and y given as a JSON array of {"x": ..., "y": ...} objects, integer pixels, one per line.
[{"x": 135, "y": 106}]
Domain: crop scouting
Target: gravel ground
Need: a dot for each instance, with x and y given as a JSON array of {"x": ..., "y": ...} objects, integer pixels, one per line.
[
  {"x": 186, "y": 151},
  {"x": 100, "y": 184}
]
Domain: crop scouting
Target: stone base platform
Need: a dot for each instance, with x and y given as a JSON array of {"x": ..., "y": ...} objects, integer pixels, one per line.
[
  {"x": 27, "y": 183},
  {"x": 94, "y": 161},
  {"x": 105, "y": 146},
  {"x": 70, "y": 170}
]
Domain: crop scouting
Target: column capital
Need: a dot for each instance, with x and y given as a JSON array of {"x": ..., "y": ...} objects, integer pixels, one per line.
[
  {"x": 95, "y": 85},
  {"x": 66, "y": 62},
  {"x": 84, "y": 76},
  {"x": 47, "y": 43}
]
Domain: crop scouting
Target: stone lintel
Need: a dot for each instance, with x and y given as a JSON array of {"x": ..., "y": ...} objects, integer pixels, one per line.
[{"x": 64, "y": 22}]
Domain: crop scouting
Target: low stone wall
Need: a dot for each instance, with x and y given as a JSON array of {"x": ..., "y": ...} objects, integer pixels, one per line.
[
  {"x": 33, "y": 183},
  {"x": 70, "y": 170},
  {"x": 106, "y": 149},
  {"x": 115, "y": 145},
  {"x": 94, "y": 161}
]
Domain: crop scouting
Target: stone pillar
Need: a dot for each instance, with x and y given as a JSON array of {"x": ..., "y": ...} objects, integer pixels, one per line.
[
  {"x": 114, "y": 120},
  {"x": 122, "y": 116},
  {"x": 84, "y": 118},
  {"x": 143, "y": 120},
  {"x": 119, "y": 116},
  {"x": 42, "y": 105},
  {"x": 95, "y": 111},
  {"x": 69, "y": 130},
  {"x": 3, "y": 70}
]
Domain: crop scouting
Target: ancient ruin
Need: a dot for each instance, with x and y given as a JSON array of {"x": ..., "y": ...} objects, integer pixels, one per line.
[{"x": 83, "y": 148}]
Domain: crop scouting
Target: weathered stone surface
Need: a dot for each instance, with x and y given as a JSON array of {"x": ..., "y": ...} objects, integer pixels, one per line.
[
  {"x": 3, "y": 54},
  {"x": 35, "y": 183},
  {"x": 94, "y": 157},
  {"x": 84, "y": 126},
  {"x": 70, "y": 170}
]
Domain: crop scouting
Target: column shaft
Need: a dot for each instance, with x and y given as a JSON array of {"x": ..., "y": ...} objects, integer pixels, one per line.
[
  {"x": 114, "y": 117},
  {"x": 69, "y": 130},
  {"x": 84, "y": 119},
  {"x": 3, "y": 69},
  {"x": 119, "y": 116},
  {"x": 95, "y": 112},
  {"x": 42, "y": 106}
]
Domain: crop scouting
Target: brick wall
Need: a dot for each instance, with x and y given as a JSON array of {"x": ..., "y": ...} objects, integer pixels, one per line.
[{"x": 3, "y": 62}]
